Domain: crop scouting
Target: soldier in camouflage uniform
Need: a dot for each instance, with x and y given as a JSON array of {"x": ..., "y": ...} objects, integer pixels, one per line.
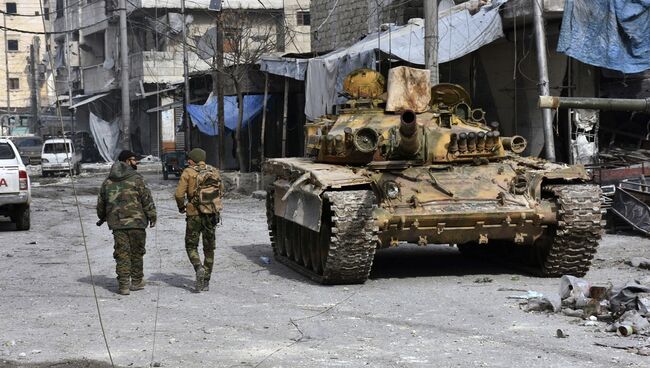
[
  {"x": 125, "y": 203},
  {"x": 197, "y": 224}
]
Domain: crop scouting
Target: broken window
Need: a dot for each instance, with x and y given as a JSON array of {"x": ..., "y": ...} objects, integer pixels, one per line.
[
  {"x": 12, "y": 45},
  {"x": 14, "y": 83},
  {"x": 303, "y": 18},
  {"x": 11, "y": 8}
]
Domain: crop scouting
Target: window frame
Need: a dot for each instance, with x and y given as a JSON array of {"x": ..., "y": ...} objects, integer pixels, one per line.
[
  {"x": 10, "y": 12},
  {"x": 10, "y": 42},
  {"x": 13, "y": 84}
]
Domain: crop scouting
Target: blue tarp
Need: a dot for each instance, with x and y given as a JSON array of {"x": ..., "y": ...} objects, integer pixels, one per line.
[
  {"x": 613, "y": 34},
  {"x": 205, "y": 118}
]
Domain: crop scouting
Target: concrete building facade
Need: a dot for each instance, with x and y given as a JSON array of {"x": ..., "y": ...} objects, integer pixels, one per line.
[{"x": 23, "y": 27}]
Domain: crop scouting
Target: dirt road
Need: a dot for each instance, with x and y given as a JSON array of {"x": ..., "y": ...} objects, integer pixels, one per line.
[{"x": 422, "y": 307}]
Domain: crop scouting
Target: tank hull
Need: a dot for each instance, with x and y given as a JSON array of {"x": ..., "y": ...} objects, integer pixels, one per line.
[{"x": 455, "y": 204}]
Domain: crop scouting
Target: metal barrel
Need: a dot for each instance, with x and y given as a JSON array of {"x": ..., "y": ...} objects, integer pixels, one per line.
[{"x": 593, "y": 103}]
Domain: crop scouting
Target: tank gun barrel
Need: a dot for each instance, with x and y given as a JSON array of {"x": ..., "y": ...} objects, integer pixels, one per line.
[
  {"x": 409, "y": 133},
  {"x": 605, "y": 104}
]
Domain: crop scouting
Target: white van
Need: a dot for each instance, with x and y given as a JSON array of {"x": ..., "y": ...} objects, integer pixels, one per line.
[{"x": 59, "y": 155}]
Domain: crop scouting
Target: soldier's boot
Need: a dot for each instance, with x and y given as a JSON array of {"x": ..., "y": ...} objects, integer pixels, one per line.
[
  {"x": 135, "y": 286},
  {"x": 200, "y": 279},
  {"x": 124, "y": 290},
  {"x": 206, "y": 285}
]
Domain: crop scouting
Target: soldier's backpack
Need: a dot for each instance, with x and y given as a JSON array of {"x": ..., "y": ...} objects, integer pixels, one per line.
[{"x": 207, "y": 197}]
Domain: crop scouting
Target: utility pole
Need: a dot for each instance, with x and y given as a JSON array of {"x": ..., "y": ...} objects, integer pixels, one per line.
[
  {"x": 431, "y": 39},
  {"x": 547, "y": 114},
  {"x": 4, "y": 20},
  {"x": 124, "y": 58},
  {"x": 34, "y": 90},
  {"x": 186, "y": 84},
  {"x": 220, "y": 93},
  {"x": 68, "y": 65}
]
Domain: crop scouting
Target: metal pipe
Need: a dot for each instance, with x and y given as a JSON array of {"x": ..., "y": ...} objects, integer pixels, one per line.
[
  {"x": 547, "y": 115},
  {"x": 266, "y": 95},
  {"x": 284, "y": 117},
  {"x": 593, "y": 103},
  {"x": 431, "y": 40}
]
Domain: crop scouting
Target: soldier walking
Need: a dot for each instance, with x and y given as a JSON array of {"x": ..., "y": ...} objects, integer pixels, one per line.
[
  {"x": 198, "y": 195},
  {"x": 125, "y": 203}
]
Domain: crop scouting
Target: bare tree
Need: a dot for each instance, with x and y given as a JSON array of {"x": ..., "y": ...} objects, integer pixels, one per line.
[{"x": 247, "y": 36}]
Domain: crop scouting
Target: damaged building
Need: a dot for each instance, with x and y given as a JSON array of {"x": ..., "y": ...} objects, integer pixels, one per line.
[{"x": 88, "y": 63}]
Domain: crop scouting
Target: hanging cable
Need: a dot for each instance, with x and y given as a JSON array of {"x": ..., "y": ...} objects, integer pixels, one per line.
[{"x": 76, "y": 201}]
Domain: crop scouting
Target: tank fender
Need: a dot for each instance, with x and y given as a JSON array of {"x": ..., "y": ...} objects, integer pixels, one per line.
[
  {"x": 565, "y": 174},
  {"x": 299, "y": 202}
]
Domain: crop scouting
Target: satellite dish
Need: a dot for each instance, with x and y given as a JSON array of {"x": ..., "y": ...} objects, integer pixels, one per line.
[
  {"x": 109, "y": 63},
  {"x": 207, "y": 45}
]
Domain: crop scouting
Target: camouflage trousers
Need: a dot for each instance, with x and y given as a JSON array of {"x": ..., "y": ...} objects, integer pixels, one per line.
[
  {"x": 128, "y": 252},
  {"x": 197, "y": 226}
]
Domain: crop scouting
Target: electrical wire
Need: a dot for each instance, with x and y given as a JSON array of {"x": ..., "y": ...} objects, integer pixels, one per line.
[
  {"x": 81, "y": 225},
  {"x": 47, "y": 33},
  {"x": 41, "y": 14}
]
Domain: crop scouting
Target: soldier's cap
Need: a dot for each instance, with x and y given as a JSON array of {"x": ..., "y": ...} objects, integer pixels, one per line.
[
  {"x": 126, "y": 154},
  {"x": 197, "y": 155}
]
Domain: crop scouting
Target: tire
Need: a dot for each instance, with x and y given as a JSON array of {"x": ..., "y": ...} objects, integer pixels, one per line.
[
  {"x": 45, "y": 174},
  {"x": 22, "y": 216},
  {"x": 77, "y": 170}
]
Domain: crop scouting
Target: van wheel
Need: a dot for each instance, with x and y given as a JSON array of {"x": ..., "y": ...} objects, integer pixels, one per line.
[
  {"x": 77, "y": 169},
  {"x": 22, "y": 218},
  {"x": 45, "y": 174}
]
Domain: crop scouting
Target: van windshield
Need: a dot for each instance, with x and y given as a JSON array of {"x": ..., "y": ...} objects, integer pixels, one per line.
[
  {"x": 57, "y": 148},
  {"x": 6, "y": 152}
]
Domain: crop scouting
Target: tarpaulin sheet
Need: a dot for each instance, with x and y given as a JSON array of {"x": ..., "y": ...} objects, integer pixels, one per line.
[
  {"x": 458, "y": 34},
  {"x": 106, "y": 135},
  {"x": 613, "y": 34},
  {"x": 205, "y": 117}
]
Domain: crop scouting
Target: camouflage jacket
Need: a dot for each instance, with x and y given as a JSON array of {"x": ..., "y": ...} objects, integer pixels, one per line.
[
  {"x": 124, "y": 201},
  {"x": 187, "y": 187}
]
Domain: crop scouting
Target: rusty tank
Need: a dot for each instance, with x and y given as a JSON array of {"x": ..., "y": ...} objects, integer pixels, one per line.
[{"x": 420, "y": 165}]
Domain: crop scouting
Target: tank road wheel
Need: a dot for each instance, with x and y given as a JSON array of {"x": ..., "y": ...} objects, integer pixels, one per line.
[
  {"x": 314, "y": 252},
  {"x": 569, "y": 247}
]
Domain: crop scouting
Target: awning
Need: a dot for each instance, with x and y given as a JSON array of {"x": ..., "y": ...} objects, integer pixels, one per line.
[{"x": 88, "y": 100}]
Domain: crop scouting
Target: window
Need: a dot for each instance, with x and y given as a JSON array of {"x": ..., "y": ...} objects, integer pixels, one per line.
[
  {"x": 46, "y": 13},
  {"x": 303, "y": 18},
  {"x": 14, "y": 83},
  {"x": 11, "y": 8},
  {"x": 12, "y": 45},
  {"x": 57, "y": 148},
  {"x": 6, "y": 152},
  {"x": 59, "y": 9}
]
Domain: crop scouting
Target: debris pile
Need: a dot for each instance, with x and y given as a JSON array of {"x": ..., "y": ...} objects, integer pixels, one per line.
[{"x": 625, "y": 309}]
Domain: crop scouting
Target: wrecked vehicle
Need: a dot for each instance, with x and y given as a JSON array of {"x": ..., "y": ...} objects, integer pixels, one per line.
[{"x": 422, "y": 166}]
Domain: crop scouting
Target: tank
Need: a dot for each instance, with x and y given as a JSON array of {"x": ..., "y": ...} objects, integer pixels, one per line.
[{"x": 388, "y": 170}]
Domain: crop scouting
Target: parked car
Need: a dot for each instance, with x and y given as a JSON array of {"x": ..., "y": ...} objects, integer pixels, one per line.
[
  {"x": 29, "y": 148},
  {"x": 15, "y": 192},
  {"x": 60, "y": 155}
]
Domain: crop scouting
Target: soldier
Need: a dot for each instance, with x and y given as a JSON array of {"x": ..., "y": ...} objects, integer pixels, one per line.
[
  {"x": 202, "y": 214},
  {"x": 125, "y": 202}
]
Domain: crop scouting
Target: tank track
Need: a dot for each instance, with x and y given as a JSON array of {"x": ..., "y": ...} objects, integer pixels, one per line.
[
  {"x": 571, "y": 245},
  {"x": 343, "y": 251}
]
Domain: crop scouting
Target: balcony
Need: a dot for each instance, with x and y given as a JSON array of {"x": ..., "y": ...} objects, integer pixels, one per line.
[
  {"x": 162, "y": 66},
  {"x": 96, "y": 79}
]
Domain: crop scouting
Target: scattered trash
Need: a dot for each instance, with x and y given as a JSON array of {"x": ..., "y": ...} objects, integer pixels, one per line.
[
  {"x": 35, "y": 351},
  {"x": 157, "y": 364},
  {"x": 32, "y": 242},
  {"x": 529, "y": 295},
  {"x": 573, "y": 286},
  {"x": 560, "y": 334},
  {"x": 10, "y": 343},
  {"x": 483, "y": 280},
  {"x": 639, "y": 262},
  {"x": 625, "y": 330},
  {"x": 544, "y": 303},
  {"x": 514, "y": 278},
  {"x": 22, "y": 355},
  {"x": 573, "y": 312},
  {"x": 9, "y": 255},
  {"x": 265, "y": 260},
  {"x": 626, "y": 298}
]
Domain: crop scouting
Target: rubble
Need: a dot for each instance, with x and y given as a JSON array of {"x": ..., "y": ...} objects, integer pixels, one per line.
[
  {"x": 625, "y": 309},
  {"x": 639, "y": 262}
]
